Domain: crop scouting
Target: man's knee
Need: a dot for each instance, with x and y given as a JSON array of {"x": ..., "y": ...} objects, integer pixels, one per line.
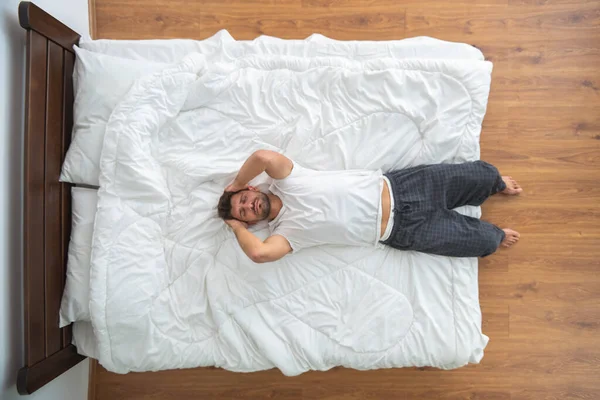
[
  {"x": 488, "y": 175},
  {"x": 489, "y": 248},
  {"x": 487, "y": 167}
]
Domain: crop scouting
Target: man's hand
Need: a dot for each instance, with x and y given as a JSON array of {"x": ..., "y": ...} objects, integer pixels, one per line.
[
  {"x": 234, "y": 223},
  {"x": 235, "y": 187}
]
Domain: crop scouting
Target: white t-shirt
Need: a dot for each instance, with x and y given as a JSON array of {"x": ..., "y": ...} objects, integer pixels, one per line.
[{"x": 328, "y": 207}]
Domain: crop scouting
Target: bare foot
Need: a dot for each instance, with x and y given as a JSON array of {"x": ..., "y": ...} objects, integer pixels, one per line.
[
  {"x": 510, "y": 238},
  {"x": 512, "y": 187}
]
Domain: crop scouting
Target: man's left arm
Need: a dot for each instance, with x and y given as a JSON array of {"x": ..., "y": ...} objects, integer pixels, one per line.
[
  {"x": 272, "y": 249},
  {"x": 247, "y": 240}
]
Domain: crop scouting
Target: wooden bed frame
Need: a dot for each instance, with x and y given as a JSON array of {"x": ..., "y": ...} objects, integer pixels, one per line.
[{"x": 47, "y": 202}]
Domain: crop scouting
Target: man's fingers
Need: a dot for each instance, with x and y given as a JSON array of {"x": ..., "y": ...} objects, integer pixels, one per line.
[
  {"x": 233, "y": 222},
  {"x": 233, "y": 188}
]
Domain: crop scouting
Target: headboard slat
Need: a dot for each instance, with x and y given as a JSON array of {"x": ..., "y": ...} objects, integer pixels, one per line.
[
  {"x": 65, "y": 188},
  {"x": 35, "y": 127},
  {"x": 52, "y": 225}
]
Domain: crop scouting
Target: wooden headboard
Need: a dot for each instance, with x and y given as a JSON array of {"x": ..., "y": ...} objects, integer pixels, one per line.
[{"x": 47, "y": 202}]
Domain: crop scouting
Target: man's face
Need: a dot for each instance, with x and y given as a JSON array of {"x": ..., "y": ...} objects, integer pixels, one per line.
[{"x": 250, "y": 206}]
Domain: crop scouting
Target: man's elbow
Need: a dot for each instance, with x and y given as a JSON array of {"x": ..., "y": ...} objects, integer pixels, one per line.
[
  {"x": 261, "y": 257},
  {"x": 264, "y": 155},
  {"x": 258, "y": 257}
]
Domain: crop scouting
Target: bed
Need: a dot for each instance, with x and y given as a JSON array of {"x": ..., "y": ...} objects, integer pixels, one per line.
[{"x": 223, "y": 98}]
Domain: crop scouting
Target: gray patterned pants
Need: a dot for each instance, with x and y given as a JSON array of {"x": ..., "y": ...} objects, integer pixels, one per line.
[{"x": 424, "y": 197}]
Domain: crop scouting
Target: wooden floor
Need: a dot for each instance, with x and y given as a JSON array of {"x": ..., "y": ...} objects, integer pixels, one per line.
[{"x": 540, "y": 300}]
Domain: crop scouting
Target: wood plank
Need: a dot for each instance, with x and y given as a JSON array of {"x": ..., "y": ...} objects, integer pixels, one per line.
[
  {"x": 497, "y": 20},
  {"x": 566, "y": 392},
  {"x": 542, "y": 281},
  {"x": 250, "y": 21},
  {"x": 325, "y": 391},
  {"x": 31, "y": 378},
  {"x": 53, "y": 252},
  {"x": 92, "y": 381},
  {"x": 557, "y": 321},
  {"x": 92, "y": 17},
  {"x": 561, "y": 359},
  {"x": 515, "y": 56},
  {"x": 337, "y": 4},
  {"x": 458, "y": 394},
  {"x": 65, "y": 188},
  {"x": 34, "y": 18},
  {"x": 33, "y": 241},
  {"x": 495, "y": 320},
  {"x": 542, "y": 122}
]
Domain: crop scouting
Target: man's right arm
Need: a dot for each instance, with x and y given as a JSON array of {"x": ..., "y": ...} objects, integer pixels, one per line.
[{"x": 276, "y": 165}]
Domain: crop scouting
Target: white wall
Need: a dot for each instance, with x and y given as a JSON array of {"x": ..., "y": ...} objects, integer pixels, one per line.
[{"x": 73, "y": 384}]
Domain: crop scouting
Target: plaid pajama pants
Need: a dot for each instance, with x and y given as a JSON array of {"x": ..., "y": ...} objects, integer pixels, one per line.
[{"x": 424, "y": 197}]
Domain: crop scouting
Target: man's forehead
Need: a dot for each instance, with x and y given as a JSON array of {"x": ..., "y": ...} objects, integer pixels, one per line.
[
  {"x": 238, "y": 195},
  {"x": 237, "y": 198}
]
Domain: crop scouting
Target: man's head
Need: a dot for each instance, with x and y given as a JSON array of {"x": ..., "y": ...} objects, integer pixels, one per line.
[{"x": 248, "y": 205}]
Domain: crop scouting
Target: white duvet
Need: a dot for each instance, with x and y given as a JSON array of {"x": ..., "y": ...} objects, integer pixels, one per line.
[{"x": 170, "y": 286}]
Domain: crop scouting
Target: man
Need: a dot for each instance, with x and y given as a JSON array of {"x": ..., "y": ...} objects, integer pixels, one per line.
[{"x": 408, "y": 209}]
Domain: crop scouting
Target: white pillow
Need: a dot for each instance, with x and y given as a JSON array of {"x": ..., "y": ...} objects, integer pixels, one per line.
[
  {"x": 76, "y": 296},
  {"x": 160, "y": 50},
  {"x": 85, "y": 339},
  {"x": 99, "y": 83}
]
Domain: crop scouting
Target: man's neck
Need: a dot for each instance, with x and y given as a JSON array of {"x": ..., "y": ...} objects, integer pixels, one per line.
[{"x": 276, "y": 205}]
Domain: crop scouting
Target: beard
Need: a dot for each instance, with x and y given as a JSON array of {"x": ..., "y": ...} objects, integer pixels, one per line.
[{"x": 265, "y": 206}]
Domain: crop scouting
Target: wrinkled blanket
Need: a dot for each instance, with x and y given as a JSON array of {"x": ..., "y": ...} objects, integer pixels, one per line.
[{"x": 170, "y": 286}]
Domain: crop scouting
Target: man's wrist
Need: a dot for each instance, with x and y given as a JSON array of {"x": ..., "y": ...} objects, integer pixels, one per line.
[
  {"x": 237, "y": 227},
  {"x": 238, "y": 184}
]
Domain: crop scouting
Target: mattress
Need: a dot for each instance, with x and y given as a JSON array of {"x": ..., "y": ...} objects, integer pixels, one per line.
[{"x": 170, "y": 286}]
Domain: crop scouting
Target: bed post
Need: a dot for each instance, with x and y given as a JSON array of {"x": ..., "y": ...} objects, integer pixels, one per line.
[
  {"x": 31, "y": 17},
  {"x": 47, "y": 202}
]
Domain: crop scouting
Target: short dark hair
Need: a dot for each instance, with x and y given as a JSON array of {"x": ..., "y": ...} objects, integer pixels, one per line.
[{"x": 224, "y": 207}]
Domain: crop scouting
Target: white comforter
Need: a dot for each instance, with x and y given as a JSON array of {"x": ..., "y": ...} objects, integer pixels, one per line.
[{"x": 170, "y": 286}]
